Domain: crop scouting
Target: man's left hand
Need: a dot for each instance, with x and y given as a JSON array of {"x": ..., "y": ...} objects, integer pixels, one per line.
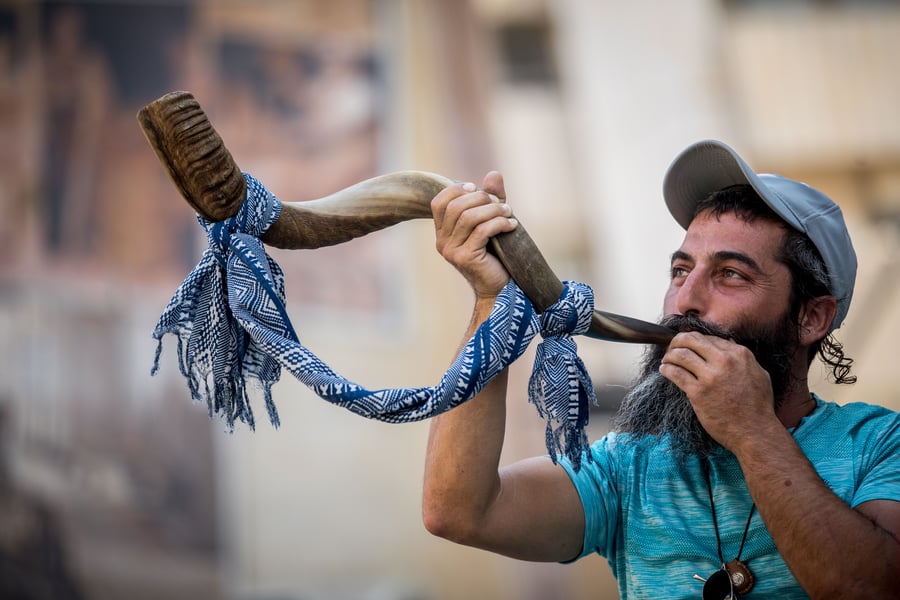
[{"x": 730, "y": 392}]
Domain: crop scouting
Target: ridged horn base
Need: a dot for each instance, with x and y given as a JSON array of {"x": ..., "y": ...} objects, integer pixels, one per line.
[{"x": 194, "y": 155}]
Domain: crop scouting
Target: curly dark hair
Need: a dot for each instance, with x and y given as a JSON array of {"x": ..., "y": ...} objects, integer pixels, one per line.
[{"x": 809, "y": 275}]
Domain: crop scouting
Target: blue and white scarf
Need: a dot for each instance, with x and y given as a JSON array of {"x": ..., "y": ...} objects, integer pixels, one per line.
[{"x": 232, "y": 327}]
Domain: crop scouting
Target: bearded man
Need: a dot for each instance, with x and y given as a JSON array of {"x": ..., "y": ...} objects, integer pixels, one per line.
[{"x": 723, "y": 475}]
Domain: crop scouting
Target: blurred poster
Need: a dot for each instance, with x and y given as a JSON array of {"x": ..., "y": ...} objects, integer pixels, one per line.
[{"x": 108, "y": 478}]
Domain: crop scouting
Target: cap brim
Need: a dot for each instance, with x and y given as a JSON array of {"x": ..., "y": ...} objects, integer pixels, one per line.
[{"x": 701, "y": 169}]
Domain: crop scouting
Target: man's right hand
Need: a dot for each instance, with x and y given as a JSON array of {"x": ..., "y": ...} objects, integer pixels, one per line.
[
  {"x": 529, "y": 510},
  {"x": 465, "y": 219}
]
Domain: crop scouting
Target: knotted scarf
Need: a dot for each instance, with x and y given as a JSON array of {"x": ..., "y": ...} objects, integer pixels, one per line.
[
  {"x": 560, "y": 386},
  {"x": 232, "y": 326}
]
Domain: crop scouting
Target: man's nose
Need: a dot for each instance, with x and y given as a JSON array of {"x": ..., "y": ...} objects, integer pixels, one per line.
[{"x": 693, "y": 295}]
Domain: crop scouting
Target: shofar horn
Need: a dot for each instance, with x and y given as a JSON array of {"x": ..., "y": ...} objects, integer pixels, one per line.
[{"x": 209, "y": 179}]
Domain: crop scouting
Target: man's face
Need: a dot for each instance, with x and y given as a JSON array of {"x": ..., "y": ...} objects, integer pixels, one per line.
[
  {"x": 726, "y": 281},
  {"x": 727, "y": 272}
]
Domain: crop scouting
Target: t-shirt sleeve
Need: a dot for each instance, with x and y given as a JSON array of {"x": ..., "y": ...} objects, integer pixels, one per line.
[
  {"x": 596, "y": 487},
  {"x": 881, "y": 463}
]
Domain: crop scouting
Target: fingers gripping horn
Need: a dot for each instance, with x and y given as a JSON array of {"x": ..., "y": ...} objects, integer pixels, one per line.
[{"x": 205, "y": 173}]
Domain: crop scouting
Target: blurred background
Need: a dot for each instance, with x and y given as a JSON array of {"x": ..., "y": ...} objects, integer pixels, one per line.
[{"x": 115, "y": 485}]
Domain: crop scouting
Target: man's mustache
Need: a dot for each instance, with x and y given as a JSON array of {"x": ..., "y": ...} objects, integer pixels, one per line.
[{"x": 688, "y": 323}]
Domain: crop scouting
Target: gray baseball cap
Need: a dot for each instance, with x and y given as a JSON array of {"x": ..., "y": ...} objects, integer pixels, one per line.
[{"x": 710, "y": 165}]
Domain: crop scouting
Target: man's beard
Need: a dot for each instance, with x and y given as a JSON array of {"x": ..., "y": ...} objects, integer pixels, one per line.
[{"x": 656, "y": 406}]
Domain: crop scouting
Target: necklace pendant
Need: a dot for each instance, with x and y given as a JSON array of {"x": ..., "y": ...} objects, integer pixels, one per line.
[{"x": 741, "y": 576}]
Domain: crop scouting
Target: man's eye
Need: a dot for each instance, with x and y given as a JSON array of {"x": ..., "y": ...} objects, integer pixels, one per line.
[
  {"x": 679, "y": 272},
  {"x": 732, "y": 274}
]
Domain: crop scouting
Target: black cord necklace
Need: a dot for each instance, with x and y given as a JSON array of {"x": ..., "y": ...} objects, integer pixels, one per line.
[{"x": 733, "y": 577}]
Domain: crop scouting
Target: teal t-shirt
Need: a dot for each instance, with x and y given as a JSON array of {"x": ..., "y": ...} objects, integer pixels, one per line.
[{"x": 650, "y": 516}]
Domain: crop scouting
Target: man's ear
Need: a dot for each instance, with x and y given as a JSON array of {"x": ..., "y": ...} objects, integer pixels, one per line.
[{"x": 816, "y": 317}]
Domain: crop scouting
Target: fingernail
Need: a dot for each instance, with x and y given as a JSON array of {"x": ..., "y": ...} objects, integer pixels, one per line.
[
  {"x": 513, "y": 221},
  {"x": 506, "y": 208},
  {"x": 469, "y": 187}
]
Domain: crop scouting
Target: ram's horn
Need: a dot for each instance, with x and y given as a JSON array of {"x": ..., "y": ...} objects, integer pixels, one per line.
[{"x": 206, "y": 174}]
